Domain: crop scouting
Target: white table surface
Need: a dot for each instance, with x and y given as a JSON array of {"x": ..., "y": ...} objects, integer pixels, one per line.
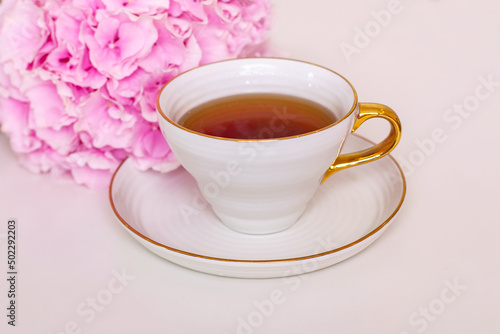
[{"x": 435, "y": 270}]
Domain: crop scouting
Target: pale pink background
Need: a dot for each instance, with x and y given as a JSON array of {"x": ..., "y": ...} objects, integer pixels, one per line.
[{"x": 429, "y": 56}]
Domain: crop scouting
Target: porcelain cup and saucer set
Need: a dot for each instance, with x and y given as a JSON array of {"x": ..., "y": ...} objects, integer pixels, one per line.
[{"x": 270, "y": 207}]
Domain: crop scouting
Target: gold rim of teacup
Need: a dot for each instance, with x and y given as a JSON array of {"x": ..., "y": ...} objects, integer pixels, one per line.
[{"x": 168, "y": 119}]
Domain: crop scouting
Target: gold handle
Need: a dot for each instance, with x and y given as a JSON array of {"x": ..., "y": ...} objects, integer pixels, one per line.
[{"x": 367, "y": 111}]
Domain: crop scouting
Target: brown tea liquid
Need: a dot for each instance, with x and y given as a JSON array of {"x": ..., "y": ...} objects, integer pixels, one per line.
[{"x": 257, "y": 116}]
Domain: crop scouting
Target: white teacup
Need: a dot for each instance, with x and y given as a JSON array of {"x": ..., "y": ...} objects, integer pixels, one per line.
[{"x": 262, "y": 186}]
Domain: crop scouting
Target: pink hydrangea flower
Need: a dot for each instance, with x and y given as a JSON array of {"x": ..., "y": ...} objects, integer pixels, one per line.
[{"x": 79, "y": 79}]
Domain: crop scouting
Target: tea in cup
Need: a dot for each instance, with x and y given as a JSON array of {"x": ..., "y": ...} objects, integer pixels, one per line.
[{"x": 260, "y": 135}]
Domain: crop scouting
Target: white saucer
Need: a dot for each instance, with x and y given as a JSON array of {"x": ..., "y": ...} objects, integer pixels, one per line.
[{"x": 166, "y": 214}]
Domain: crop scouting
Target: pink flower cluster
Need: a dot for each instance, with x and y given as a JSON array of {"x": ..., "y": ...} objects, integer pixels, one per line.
[{"x": 79, "y": 78}]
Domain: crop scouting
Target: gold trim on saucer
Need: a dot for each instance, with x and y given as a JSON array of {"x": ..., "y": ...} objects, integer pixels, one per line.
[{"x": 336, "y": 250}]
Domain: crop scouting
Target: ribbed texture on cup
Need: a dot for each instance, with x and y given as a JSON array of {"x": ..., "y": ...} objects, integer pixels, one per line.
[{"x": 264, "y": 186}]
